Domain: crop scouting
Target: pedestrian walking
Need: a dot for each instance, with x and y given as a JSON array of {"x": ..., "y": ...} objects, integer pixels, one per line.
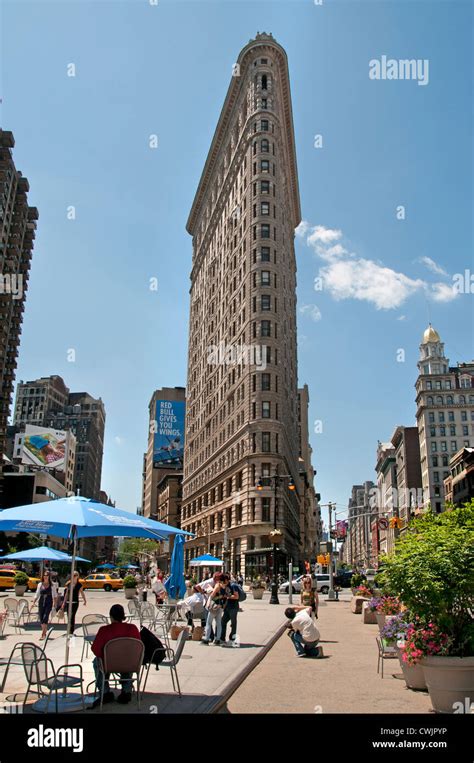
[
  {"x": 46, "y": 595},
  {"x": 303, "y": 631},
  {"x": 215, "y": 608},
  {"x": 77, "y": 590},
  {"x": 231, "y": 609}
]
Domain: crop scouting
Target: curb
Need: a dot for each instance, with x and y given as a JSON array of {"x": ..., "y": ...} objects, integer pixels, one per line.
[{"x": 212, "y": 705}]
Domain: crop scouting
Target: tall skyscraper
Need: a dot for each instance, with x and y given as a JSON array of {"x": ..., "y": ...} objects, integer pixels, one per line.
[
  {"x": 445, "y": 414},
  {"x": 17, "y": 234},
  {"x": 48, "y": 402},
  {"x": 242, "y": 398},
  {"x": 166, "y": 424}
]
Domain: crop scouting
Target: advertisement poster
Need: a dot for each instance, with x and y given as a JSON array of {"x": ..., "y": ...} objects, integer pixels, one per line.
[
  {"x": 168, "y": 446},
  {"x": 44, "y": 447}
]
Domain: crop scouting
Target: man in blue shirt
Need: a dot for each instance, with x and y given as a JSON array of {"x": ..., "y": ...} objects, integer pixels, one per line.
[{"x": 231, "y": 609}]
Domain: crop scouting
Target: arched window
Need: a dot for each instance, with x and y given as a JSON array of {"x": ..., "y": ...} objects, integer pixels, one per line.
[
  {"x": 462, "y": 400},
  {"x": 439, "y": 400},
  {"x": 449, "y": 400},
  {"x": 429, "y": 400},
  {"x": 264, "y": 82}
]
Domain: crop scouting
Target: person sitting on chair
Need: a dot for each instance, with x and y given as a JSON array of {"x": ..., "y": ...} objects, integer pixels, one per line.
[{"x": 117, "y": 629}]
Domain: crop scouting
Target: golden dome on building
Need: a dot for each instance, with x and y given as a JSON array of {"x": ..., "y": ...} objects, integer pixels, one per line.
[{"x": 430, "y": 335}]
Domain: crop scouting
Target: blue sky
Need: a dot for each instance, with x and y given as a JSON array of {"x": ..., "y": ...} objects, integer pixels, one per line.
[{"x": 83, "y": 141}]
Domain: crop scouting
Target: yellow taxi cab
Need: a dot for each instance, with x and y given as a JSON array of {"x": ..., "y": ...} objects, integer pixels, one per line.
[
  {"x": 102, "y": 582},
  {"x": 7, "y": 580}
]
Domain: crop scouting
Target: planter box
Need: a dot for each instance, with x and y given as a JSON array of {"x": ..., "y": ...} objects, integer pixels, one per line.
[
  {"x": 368, "y": 617},
  {"x": 450, "y": 682},
  {"x": 20, "y": 590},
  {"x": 413, "y": 674},
  {"x": 257, "y": 593},
  {"x": 130, "y": 593},
  {"x": 356, "y": 604}
]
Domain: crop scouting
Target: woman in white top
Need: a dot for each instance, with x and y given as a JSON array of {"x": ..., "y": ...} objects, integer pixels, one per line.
[{"x": 46, "y": 596}]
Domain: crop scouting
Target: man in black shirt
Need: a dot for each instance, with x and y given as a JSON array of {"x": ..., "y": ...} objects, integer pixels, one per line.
[{"x": 231, "y": 609}]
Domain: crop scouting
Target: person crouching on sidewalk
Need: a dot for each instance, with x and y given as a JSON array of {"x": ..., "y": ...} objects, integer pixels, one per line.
[{"x": 303, "y": 632}]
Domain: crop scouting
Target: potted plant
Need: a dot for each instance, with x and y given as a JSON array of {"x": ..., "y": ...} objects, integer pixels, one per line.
[
  {"x": 388, "y": 606},
  {"x": 362, "y": 594},
  {"x": 130, "y": 586},
  {"x": 21, "y": 583},
  {"x": 356, "y": 580},
  {"x": 369, "y": 611},
  {"x": 258, "y": 587},
  {"x": 431, "y": 570}
]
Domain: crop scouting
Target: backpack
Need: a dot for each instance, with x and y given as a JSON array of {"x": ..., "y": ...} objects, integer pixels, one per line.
[
  {"x": 242, "y": 594},
  {"x": 154, "y": 650}
]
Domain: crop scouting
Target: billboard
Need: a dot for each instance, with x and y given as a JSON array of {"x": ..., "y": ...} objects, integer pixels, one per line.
[
  {"x": 43, "y": 446},
  {"x": 168, "y": 441}
]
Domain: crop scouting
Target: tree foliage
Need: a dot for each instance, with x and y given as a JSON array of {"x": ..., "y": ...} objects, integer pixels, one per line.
[{"x": 432, "y": 571}]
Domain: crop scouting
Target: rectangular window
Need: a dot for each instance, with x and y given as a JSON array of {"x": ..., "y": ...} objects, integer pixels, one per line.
[
  {"x": 265, "y": 409},
  {"x": 454, "y": 446},
  {"x": 435, "y": 476},
  {"x": 265, "y": 254},
  {"x": 264, "y": 125},
  {"x": 265, "y": 230},
  {"x": 441, "y": 417},
  {"x": 266, "y": 444},
  {"x": 265, "y": 302},
  {"x": 264, "y": 208},
  {"x": 444, "y": 447},
  {"x": 266, "y": 382},
  {"x": 265, "y": 278},
  {"x": 266, "y": 509},
  {"x": 434, "y": 447},
  {"x": 265, "y": 328},
  {"x": 264, "y": 165},
  {"x": 264, "y": 186},
  {"x": 431, "y": 417},
  {"x": 450, "y": 416}
]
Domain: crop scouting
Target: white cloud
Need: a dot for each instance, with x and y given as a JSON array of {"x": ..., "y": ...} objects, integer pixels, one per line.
[
  {"x": 367, "y": 281},
  {"x": 302, "y": 228},
  {"x": 118, "y": 440},
  {"x": 347, "y": 276},
  {"x": 401, "y": 318},
  {"x": 443, "y": 292},
  {"x": 321, "y": 235},
  {"x": 433, "y": 266},
  {"x": 312, "y": 311}
]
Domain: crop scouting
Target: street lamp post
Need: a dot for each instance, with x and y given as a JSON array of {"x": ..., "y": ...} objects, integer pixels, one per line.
[{"x": 276, "y": 534}]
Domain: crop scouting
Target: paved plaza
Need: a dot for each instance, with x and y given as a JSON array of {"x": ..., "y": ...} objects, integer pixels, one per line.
[
  {"x": 262, "y": 676},
  {"x": 344, "y": 681}
]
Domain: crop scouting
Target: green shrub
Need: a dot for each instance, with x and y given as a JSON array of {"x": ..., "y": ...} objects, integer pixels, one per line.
[
  {"x": 432, "y": 572},
  {"x": 129, "y": 582},
  {"x": 357, "y": 579},
  {"x": 21, "y": 578}
]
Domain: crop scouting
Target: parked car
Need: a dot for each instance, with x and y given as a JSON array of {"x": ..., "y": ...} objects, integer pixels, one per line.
[
  {"x": 7, "y": 580},
  {"x": 102, "y": 583},
  {"x": 370, "y": 575},
  {"x": 321, "y": 580},
  {"x": 343, "y": 578}
]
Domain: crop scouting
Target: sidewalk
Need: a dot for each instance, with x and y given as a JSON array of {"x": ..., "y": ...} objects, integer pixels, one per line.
[
  {"x": 206, "y": 673},
  {"x": 345, "y": 681}
]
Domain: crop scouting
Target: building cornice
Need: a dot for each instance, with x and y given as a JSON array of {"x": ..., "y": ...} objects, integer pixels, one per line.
[{"x": 225, "y": 121}]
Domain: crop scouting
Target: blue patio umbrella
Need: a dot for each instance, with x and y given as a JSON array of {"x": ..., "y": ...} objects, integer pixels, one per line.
[
  {"x": 77, "y": 517},
  {"x": 107, "y": 566},
  {"x": 131, "y": 567},
  {"x": 175, "y": 585},
  {"x": 41, "y": 554}
]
